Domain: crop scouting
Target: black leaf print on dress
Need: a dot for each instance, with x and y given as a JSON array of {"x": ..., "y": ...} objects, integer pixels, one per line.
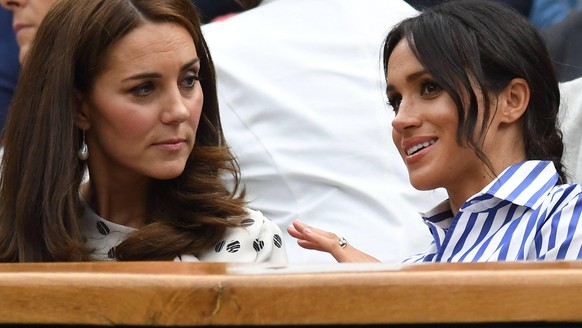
[
  {"x": 103, "y": 228},
  {"x": 219, "y": 246},
  {"x": 111, "y": 253},
  {"x": 278, "y": 241},
  {"x": 233, "y": 246},
  {"x": 258, "y": 244},
  {"x": 247, "y": 222}
]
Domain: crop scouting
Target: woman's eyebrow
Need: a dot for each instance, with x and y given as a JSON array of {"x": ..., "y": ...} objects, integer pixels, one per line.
[
  {"x": 409, "y": 78},
  {"x": 190, "y": 64},
  {"x": 147, "y": 75}
]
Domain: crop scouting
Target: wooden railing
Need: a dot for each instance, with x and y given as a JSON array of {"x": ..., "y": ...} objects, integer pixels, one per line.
[{"x": 208, "y": 294}]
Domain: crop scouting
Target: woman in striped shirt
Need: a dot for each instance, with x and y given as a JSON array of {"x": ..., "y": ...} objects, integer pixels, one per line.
[{"x": 476, "y": 103}]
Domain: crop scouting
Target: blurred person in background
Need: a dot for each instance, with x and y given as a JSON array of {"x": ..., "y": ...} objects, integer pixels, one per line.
[
  {"x": 8, "y": 63},
  {"x": 542, "y": 13}
]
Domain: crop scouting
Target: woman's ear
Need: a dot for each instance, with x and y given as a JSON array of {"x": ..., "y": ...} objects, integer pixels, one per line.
[
  {"x": 82, "y": 112},
  {"x": 513, "y": 100}
]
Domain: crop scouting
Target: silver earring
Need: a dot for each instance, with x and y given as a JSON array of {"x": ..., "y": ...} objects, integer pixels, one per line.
[{"x": 83, "y": 152}]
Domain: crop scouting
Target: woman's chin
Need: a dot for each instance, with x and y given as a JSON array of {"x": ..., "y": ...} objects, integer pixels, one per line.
[{"x": 421, "y": 183}]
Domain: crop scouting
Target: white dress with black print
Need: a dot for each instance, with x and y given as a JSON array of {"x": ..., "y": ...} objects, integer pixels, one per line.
[{"x": 257, "y": 240}]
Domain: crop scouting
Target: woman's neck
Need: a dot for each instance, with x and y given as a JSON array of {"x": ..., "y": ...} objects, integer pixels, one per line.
[
  {"x": 458, "y": 196},
  {"x": 121, "y": 203}
]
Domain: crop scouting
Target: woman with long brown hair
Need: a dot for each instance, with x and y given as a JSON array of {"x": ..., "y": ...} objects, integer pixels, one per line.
[{"x": 114, "y": 149}]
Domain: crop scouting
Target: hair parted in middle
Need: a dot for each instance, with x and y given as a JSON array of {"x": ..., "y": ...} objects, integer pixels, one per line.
[{"x": 39, "y": 192}]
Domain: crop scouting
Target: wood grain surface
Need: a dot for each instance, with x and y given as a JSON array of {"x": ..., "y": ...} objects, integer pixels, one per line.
[{"x": 190, "y": 294}]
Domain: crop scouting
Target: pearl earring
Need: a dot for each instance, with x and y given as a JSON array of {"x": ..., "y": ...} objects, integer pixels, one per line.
[{"x": 83, "y": 152}]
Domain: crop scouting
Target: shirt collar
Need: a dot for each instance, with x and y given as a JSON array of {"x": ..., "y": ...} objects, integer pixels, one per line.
[
  {"x": 440, "y": 215},
  {"x": 523, "y": 184}
]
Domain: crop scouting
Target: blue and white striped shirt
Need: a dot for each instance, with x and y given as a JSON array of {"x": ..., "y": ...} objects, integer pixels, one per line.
[{"x": 521, "y": 215}]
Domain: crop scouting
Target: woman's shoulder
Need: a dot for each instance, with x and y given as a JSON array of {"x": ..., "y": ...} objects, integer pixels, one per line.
[{"x": 564, "y": 195}]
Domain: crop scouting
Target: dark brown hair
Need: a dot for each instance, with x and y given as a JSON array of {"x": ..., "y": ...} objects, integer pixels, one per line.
[
  {"x": 490, "y": 43},
  {"x": 41, "y": 175}
]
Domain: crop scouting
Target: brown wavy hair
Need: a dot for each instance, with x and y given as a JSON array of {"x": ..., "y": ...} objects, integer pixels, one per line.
[{"x": 41, "y": 174}]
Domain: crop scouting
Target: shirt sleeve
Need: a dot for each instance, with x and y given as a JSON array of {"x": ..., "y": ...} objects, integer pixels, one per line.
[
  {"x": 560, "y": 237},
  {"x": 257, "y": 240},
  {"x": 269, "y": 243}
]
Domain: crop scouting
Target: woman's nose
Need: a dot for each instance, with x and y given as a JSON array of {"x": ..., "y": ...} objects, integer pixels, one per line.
[
  {"x": 12, "y": 4},
  {"x": 405, "y": 117},
  {"x": 175, "y": 109}
]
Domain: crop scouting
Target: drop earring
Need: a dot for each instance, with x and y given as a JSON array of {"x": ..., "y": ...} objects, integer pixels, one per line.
[{"x": 83, "y": 152}]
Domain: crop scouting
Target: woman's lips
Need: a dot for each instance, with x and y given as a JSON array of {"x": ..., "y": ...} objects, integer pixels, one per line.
[
  {"x": 18, "y": 27},
  {"x": 172, "y": 145}
]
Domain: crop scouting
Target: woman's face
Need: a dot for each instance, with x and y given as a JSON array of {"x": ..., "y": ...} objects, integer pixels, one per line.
[
  {"x": 143, "y": 111},
  {"x": 424, "y": 128},
  {"x": 27, "y": 15}
]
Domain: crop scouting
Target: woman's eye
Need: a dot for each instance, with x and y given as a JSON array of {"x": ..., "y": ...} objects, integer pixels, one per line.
[
  {"x": 429, "y": 88},
  {"x": 142, "y": 90},
  {"x": 394, "y": 102},
  {"x": 190, "y": 81}
]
